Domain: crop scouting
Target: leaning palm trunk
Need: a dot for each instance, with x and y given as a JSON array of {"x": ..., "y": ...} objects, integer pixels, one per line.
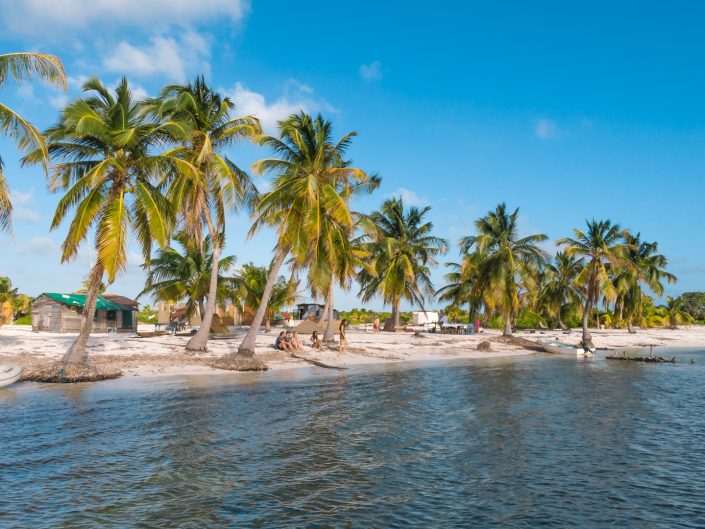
[
  {"x": 587, "y": 337},
  {"x": 507, "y": 325},
  {"x": 77, "y": 352},
  {"x": 630, "y": 326},
  {"x": 329, "y": 335},
  {"x": 199, "y": 342},
  {"x": 247, "y": 347}
]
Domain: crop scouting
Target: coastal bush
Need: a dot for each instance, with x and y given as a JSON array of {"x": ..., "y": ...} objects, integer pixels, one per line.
[
  {"x": 23, "y": 320},
  {"x": 694, "y": 304}
]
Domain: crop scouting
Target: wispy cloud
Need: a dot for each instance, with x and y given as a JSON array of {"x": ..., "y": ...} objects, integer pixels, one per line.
[
  {"x": 409, "y": 197},
  {"x": 371, "y": 72},
  {"x": 296, "y": 97},
  {"x": 546, "y": 129},
  {"x": 55, "y": 17},
  {"x": 37, "y": 246},
  {"x": 175, "y": 59}
]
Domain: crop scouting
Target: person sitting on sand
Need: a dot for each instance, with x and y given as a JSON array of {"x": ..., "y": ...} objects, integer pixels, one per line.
[
  {"x": 316, "y": 342},
  {"x": 343, "y": 340},
  {"x": 282, "y": 343},
  {"x": 296, "y": 343}
]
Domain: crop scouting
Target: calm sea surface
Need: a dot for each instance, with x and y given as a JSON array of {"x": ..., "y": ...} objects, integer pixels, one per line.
[{"x": 530, "y": 442}]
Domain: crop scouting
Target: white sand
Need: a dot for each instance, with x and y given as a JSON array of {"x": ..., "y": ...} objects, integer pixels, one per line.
[{"x": 165, "y": 355}]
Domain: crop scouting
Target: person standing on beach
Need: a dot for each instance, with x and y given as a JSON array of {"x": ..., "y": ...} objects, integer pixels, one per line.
[
  {"x": 343, "y": 340},
  {"x": 477, "y": 325},
  {"x": 375, "y": 325}
]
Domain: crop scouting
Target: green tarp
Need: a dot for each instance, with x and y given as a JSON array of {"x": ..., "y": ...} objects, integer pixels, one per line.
[{"x": 79, "y": 300}]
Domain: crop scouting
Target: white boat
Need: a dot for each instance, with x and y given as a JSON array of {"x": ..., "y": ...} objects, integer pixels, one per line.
[
  {"x": 556, "y": 347},
  {"x": 9, "y": 374}
]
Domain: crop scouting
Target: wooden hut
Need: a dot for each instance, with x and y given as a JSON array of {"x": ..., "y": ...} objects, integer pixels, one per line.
[{"x": 53, "y": 312}]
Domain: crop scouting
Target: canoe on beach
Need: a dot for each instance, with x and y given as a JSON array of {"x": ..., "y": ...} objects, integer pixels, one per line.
[{"x": 9, "y": 374}]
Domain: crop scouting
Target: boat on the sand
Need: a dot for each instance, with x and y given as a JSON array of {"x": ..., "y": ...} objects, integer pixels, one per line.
[
  {"x": 555, "y": 347},
  {"x": 9, "y": 374}
]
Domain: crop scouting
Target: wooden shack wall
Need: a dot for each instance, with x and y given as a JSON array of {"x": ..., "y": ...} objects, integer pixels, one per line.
[{"x": 51, "y": 316}]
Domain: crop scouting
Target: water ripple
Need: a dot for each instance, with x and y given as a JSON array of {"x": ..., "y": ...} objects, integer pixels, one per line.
[{"x": 547, "y": 442}]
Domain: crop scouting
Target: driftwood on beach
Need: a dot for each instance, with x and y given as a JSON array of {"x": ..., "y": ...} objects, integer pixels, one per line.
[
  {"x": 317, "y": 362},
  {"x": 647, "y": 359}
]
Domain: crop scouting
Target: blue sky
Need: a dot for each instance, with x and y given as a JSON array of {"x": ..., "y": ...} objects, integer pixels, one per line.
[{"x": 568, "y": 112}]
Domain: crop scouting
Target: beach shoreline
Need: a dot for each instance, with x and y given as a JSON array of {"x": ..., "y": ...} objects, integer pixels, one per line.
[{"x": 165, "y": 355}]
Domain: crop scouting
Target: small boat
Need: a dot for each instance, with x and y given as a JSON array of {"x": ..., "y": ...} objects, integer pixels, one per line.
[
  {"x": 9, "y": 374},
  {"x": 556, "y": 347}
]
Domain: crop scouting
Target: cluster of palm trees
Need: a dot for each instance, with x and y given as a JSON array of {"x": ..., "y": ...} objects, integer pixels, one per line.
[
  {"x": 156, "y": 171},
  {"x": 502, "y": 273}
]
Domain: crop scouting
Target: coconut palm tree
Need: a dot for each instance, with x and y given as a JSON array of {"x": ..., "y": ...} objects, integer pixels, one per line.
[
  {"x": 249, "y": 285},
  {"x": 460, "y": 282},
  {"x": 403, "y": 252},
  {"x": 175, "y": 275},
  {"x": 104, "y": 146},
  {"x": 602, "y": 248},
  {"x": 642, "y": 269},
  {"x": 202, "y": 197},
  {"x": 559, "y": 291},
  {"x": 674, "y": 312},
  {"x": 311, "y": 190},
  {"x": 504, "y": 262},
  {"x": 21, "y": 67}
]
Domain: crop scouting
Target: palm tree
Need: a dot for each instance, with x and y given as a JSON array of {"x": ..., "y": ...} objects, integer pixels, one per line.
[
  {"x": 504, "y": 262},
  {"x": 675, "y": 313},
  {"x": 403, "y": 252},
  {"x": 20, "y": 67},
  {"x": 203, "y": 196},
  {"x": 249, "y": 286},
  {"x": 311, "y": 190},
  {"x": 105, "y": 144},
  {"x": 175, "y": 275},
  {"x": 602, "y": 247},
  {"x": 643, "y": 268},
  {"x": 559, "y": 291}
]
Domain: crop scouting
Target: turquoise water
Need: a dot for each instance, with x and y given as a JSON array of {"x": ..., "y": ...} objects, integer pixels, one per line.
[{"x": 538, "y": 441}]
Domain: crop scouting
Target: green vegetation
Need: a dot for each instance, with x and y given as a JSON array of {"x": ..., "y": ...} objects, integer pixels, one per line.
[
  {"x": 13, "y": 305},
  {"x": 249, "y": 285},
  {"x": 21, "y": 67},
  {"x": 147, "y": 315},
  {"x": 402, "y": 251},
  {"x": 694, "y": 305}
]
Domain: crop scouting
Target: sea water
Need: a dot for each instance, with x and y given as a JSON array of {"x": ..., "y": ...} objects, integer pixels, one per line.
[{"x": 541, "y": 441}]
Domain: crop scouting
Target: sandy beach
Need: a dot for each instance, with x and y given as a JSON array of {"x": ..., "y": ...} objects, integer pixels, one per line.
[{"x": 165, "y": 355}]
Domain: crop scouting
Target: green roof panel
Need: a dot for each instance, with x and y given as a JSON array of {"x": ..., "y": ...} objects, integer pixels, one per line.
[{"x": 79, "y": 300}]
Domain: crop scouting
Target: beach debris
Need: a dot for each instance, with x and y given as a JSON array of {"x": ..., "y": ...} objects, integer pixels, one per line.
[
  {"x": 316, "y": 362},
  {"x": 648, "y": 359},
  {"x": 238, "y": 362},
  {"x": 485, "y": 346},
  {"x": 58, "y": 373}
]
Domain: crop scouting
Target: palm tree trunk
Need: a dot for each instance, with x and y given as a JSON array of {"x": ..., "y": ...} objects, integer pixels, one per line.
[
  {"x": 247, "y": 347},
  {"x": 630, "y": 327},
  {"x": 586, "y": 322},
  {"x": 507, "y": 325},
  {"x": 267, "y": 324},
  {"x": 199, "y": 341},
  {"x": 329, "y": 335},
  {"x": 324, "y": 314},
  {"x": 77, "y": 354},
  {"x": 201, "y": 309}
]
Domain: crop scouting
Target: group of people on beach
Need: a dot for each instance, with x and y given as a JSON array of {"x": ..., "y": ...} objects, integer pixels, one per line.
[{"x": 290, "y": 342}]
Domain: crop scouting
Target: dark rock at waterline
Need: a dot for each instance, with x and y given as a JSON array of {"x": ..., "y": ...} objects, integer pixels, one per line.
[
  {"x": 484, "y": 346},
  {"x": 237, "y": 362},
  {"x": 58, "y": 373}
]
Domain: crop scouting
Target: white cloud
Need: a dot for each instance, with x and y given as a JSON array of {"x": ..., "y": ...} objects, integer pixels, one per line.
[
  {"x": 371, "y": 72},
  {"x": 545, "y": 129},
  {"x": 296, "y": 97},
  {"x": 37, "y": 246},
  {"x": 42, "y": 17},
  {"x": 26, "y": 214},
  {"x": 58, "y": 101},
  {"x": 409, "y": 197},
  {"x": 161, "y": 56},
  {"x": 21, "y": 198}
]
